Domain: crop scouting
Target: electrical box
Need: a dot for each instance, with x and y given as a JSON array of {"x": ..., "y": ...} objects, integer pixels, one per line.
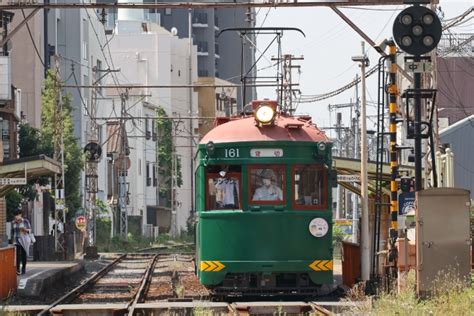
[
  {"x": 443, "y": 242},
  {"x": 5, "y": 79}
]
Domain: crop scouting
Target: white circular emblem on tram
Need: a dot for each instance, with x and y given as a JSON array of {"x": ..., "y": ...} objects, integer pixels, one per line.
[{"x": 318, "y": 227}]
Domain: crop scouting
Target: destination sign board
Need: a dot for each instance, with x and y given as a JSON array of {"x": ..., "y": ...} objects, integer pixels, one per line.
[{"x": 266, "y": 152}]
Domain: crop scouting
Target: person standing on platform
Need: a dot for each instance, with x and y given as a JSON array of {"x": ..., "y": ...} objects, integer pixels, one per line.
[{"x": 20, "y": 233}]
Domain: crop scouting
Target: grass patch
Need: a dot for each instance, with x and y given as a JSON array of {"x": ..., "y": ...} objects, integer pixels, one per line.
[
  {"x": 135, "y": 241},
  {"x": 451, "y": 296}
]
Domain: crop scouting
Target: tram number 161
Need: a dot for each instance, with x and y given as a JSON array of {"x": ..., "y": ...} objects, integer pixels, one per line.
[{"x": 231, "y": 153}]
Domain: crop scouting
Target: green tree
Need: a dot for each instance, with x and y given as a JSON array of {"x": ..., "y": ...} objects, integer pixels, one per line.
[
  {"x": 13, "y": 199},
  {"x": 54, "y": 122},
  {"x": 29, "y": 141},
  {"x": 165, "y": 149}
]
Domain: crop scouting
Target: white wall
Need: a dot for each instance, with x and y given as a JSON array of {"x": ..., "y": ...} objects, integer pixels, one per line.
[{"x": 153, "y": 58}]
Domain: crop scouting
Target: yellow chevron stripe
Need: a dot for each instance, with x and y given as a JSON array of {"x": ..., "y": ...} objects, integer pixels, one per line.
[
  {"x": 211, "y": 266},
  {"x": 321, "y": 265}
]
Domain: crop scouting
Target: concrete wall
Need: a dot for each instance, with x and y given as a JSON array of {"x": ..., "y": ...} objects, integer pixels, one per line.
[
  {"x": 27, "y": 69},
  {"x": 455, "y": 88}
]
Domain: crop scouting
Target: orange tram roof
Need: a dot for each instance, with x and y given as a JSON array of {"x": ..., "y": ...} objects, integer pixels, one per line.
[{"x": 283, "y": 129}]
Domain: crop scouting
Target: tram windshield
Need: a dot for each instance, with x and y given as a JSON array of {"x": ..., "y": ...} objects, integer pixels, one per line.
[
  {"x": 267, "y": 184},
  {"x": 310, "y": 186},
  {"x": 223, "y": 188}
]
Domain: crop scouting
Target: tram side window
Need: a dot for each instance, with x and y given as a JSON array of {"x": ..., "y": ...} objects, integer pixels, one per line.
[
  {"x": 266, "y": 184},
  {"x": 223, "y": 188},
  {"x": 310, "y": 189}
]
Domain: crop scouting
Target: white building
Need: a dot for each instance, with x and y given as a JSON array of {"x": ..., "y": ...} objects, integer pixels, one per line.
[{"x": 148, "y": 54}]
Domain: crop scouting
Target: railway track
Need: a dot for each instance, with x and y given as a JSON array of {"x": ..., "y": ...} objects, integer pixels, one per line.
[{"x": 158, "y": 284}]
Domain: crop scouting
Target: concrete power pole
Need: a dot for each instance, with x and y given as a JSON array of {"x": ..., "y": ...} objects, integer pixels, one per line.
[
  {"x": 60, "y": 198},
  {"x": 122, "y": 170},
  {"x": 365, "y": 238},
  {"x": 355, "y": 197}
]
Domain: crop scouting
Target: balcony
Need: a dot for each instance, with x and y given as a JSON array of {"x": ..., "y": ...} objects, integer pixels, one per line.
[
  {"x": 216, "y": 23},
  {"x": 216, "y": 50},
  {"x": 202, "y": 48},
  {"x": 200, "y": 20}
]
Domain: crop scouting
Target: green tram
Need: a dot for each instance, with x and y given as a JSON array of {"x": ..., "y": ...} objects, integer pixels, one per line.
[{"x": 263, "y": 196}]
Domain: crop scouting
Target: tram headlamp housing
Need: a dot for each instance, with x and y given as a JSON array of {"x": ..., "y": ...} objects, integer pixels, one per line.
[
  {"x": 210, "y": 148},
  {"x": 265, "y": 114},
  {"x": 322, "y": 148}
]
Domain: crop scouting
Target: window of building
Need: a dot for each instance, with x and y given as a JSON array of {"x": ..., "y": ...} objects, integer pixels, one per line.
[
  {"x": 223, "y": 187},
  {"x": 267, "y": 184},
  {"x": 84, "y": 50},
  {"x": 148, "y": 175},
  {"x": 220, "y": 102},
  {"x": 310, "y": 187},
  {"x": 147, "y": 128},
  {"x": 167, "y": 11},
  {"x": 155, "y": 175}
]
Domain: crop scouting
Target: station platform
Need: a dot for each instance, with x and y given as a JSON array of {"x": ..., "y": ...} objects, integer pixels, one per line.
[{"x": 40, "y": 276}]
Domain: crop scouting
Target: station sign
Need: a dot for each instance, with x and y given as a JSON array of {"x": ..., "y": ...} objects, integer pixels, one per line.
[
  {"x": 419, "y": 66},
  {"x": 266, "y": 152},
  {"x": 12, "y": 181},
  {"x": 348, "y": 178}
]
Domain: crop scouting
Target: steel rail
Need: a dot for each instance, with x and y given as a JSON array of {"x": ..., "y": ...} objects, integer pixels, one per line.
[
  {"x": 144, "y": 286},
  {"x": 200, "y": 5},
  {"x": 74, "y": 293}
]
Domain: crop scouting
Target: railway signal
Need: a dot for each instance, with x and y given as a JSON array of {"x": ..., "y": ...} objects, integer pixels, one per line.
[{"x": 417, "y": 31}]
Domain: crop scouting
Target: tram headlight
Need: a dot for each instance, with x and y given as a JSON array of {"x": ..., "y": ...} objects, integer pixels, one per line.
[{"x": 265, "y": 114}]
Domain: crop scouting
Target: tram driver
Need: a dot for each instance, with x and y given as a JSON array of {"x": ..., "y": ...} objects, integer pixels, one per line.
[{"x": 268, "y": 191}]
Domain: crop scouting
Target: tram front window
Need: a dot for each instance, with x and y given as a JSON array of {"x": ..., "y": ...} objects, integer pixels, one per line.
[
  {"x": 266, "y": 185},
  {"x": 223, "y": 188},
  {"x": 310, "y": 186}
]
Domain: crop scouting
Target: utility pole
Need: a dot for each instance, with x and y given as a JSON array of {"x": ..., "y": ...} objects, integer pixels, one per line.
[
  {"x": 122, "y": 167},
  {"x": 365, "y": 240},
  {"x": 355, "y": 197},
  {"x": 174, "y": 219},
  {"x": 58, "y": 143},
  {"x": 191, "y": 125},
  {"x": 286, "y": 86}
]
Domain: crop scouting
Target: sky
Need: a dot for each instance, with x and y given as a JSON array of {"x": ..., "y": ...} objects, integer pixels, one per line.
[{"x": 328, "y": 47}]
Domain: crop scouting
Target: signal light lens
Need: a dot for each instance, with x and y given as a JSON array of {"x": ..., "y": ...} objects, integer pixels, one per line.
[
  {"x": 407, "y": 41},
  {"x": 417, "y": 30},
  {"x": 264, "y": 114},
  {"x": 428, "y": 19},
  {"x": 406, "y": 19},
  {"x": 428, "y": 40}
]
